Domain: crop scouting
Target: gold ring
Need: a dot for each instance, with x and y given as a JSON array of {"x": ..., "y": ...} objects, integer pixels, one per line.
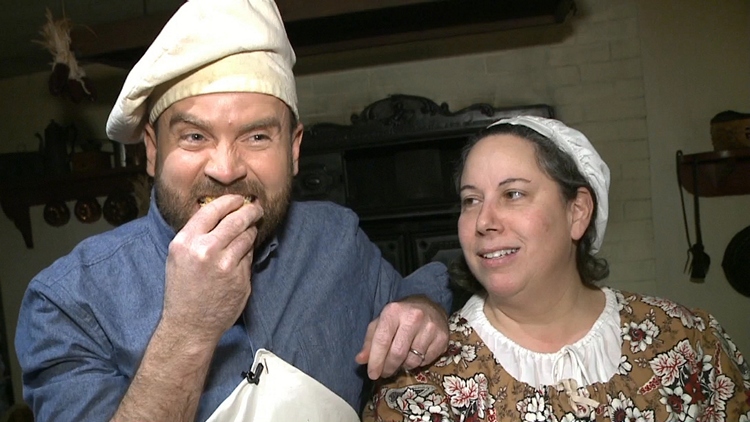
[{"x": 418, "y": 353}]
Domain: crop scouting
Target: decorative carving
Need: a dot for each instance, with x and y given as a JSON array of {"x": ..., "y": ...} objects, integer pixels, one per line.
[
  {"x": 400, "y": 117},
  {"x": 399, "y": 110}
]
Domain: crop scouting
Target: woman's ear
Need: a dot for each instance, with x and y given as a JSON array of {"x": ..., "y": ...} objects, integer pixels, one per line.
[{"x": 581, "y": 209}]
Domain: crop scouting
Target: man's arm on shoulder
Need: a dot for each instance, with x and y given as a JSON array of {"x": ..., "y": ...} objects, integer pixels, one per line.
[
  {"x": 412, "y": 329},
  {"x": 430, "y": 280}
]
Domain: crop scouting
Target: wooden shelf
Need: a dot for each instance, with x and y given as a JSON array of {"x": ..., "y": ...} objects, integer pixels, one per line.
[
  {"x": 16, "y": 197},
  {"x": 719, "y": 173}
]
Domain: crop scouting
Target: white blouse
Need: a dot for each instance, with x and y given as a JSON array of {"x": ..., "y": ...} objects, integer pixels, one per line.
[{"x": 594, "y": 358}]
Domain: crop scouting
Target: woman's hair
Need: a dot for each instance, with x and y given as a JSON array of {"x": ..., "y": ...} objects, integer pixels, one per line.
[{"x": 562, "y": 168}]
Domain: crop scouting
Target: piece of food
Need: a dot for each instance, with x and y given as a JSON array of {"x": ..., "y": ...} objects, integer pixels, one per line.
[{"x": 207, "y": 199}]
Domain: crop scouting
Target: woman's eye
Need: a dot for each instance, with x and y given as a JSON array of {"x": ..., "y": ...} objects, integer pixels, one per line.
[
  {"x": 468, "y": 201},
  {"x": 514, "y": 194}
]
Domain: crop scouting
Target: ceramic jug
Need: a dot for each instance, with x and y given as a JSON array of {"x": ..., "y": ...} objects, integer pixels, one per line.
[{"x": 57, "y": 147}]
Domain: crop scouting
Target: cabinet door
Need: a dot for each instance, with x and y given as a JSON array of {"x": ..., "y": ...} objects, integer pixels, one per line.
[{"x": 320, "y": 177}]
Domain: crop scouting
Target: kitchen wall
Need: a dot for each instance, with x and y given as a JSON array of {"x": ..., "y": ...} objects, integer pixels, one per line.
[{"x": 641, "y": 78}]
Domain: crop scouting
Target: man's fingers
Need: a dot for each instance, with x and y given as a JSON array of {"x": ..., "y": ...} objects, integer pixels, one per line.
[
  {"x": 399, "y": 353},
  {"x": 423, "y": 347},
  {"x": 209, "y": 215},
  {"x": 364, "y": 354},
  {"x": 437, "y": 345},
  {"x": 380, "y": 346},
  {"x": 410, "y": 334},
  {"x": 427, "y": 346}
]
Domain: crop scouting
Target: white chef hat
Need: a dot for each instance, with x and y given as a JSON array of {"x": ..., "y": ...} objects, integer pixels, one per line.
[
  {"x": 207, "y": 46},
  {"x": 589, "y": 163}
]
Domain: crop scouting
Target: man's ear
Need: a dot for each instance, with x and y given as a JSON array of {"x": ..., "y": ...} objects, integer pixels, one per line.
[
  {"x": 296, "y": 142},
  {"x": 581, "y": 209},
  {"x": 149, "y": 138}
]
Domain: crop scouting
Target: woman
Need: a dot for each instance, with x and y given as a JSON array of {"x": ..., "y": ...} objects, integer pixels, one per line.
[{"x": 539, "y": 341}]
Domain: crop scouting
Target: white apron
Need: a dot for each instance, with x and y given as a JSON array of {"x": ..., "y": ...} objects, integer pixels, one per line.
[{"x": 277, "y": 391}]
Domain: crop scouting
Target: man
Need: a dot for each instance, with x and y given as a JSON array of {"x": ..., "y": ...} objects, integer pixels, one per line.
[{"x": 157, "y": 319}]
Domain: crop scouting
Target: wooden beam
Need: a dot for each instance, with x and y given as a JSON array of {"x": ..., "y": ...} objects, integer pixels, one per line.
[
  {"x": 405, "y": 32},
  {"x": 131, "y": 34}
]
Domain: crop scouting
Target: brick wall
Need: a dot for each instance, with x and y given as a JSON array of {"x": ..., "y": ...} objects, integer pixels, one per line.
[{"x": 593, "y": 79}]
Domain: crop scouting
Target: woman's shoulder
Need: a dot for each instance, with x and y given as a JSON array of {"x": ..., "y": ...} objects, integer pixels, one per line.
[
  {"x": 638, "y": 308},
  {"x": 657, "y": 330}
]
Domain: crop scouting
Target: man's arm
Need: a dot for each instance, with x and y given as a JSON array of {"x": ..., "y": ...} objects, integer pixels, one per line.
[
  {"x": 206, "y": 288},
  {"x": 411, "y": 330},
  {"x": 72, "y": 370},
  {"x": 66, "y": 359},
  {"x": 407, "y": 334},
  {"x": 170, "y": 379}
]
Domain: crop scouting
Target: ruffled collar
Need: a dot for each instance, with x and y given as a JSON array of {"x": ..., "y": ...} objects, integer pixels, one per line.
[{"x": 595, "y": 358}]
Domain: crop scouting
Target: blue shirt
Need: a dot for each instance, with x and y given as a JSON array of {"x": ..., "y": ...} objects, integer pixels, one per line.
[{"x": 86, "y": 320}]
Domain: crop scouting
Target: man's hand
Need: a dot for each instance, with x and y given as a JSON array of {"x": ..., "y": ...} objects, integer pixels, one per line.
[
  {"x": 208, "y": 268},
  {"x": 410, "y": 333}
]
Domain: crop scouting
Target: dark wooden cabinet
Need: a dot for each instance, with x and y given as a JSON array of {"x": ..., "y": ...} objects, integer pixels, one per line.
[{"x": 394, "y": 166}]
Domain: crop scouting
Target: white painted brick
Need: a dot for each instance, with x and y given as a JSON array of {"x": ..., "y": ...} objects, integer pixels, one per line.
[
  {"x": 614, "y": 109},
  {"x": 628, "y": 272},
  {"x": 641, "y": 230},
  {"x": 431, "y": 79},
  {"x": 620, "y": 151},
  {"x": 582, "y": 94},
  {"x": 632, "y": 128},
  {"x": 599, "y": 132},
  {"x": 330, "y": 108},
  {"x": 604, "y": 10},
  {"x": 571, "y": 114},
  {"x": 639, "y": 169},
  {"x": 615, "y": 173},
  {"x": 483, "y": 86},
  {"x": 613, "y": 70},
  {"x": 630, "y": 250},
  {"x": 616, "y": 213},
  {"x": 520, "y": 89},
  {"x": 633, "y": 189},
  {"x": 630, "y": 189},
  {"x": 518, "y": 60},
  {"x": 630, "y": 88},
  {"x": 625, "y": 49},
  {"x": 577, "y": 54},
  {"x": 607, "y": 31},
  {"x": 562, "y": 76},
  {"x": 638, "y": 210},
  {"x": 614, "y": 130}
]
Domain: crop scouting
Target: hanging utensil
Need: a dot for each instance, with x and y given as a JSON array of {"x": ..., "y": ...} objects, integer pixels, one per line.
[{"x": 698, "y": 260}]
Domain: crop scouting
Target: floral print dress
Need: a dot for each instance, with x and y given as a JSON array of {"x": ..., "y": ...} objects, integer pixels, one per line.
[{"x": 676, "y": 365}]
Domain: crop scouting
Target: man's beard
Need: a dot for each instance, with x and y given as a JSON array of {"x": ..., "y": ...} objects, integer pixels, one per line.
[{"x": 177, "y": 209}]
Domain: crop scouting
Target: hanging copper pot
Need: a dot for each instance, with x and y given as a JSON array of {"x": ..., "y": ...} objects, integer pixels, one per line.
[
  {"x": 56, "y": 213},
  {"x": 87, "y": 210}
]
